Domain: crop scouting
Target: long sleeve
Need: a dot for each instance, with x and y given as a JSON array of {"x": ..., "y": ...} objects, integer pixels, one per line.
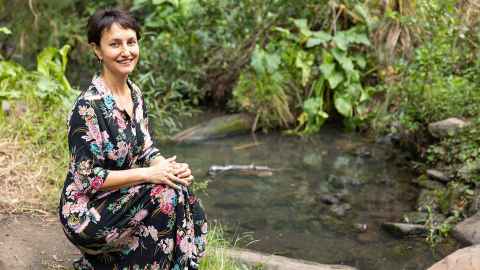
[
  {"x": 85, "y": 141},
  {"x": 149, "y": 151}
]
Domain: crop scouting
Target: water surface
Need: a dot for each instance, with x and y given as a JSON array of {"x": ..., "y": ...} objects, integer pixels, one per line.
[{"x": 285, "y": 213}]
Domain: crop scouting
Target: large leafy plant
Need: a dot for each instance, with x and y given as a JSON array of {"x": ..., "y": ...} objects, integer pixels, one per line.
[{"x": 318, "y": 72}]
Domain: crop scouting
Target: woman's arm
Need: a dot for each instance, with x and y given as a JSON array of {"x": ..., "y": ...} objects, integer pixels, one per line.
[{"x": 162, "y": 172}]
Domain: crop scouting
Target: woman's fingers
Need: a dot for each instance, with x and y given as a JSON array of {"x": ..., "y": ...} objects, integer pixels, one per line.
[
  {"x": 188, "y": 179},
  {"x": 171, "y": 184},
  {"x": 176, "y": 179},
  {"x": 184, "y": 173}
]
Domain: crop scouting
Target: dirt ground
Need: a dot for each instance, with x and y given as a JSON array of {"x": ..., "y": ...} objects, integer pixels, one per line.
[{"x": 30, "y": 242}]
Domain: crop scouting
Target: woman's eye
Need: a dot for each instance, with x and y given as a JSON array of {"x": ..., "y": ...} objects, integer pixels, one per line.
[
  {"x": 132, "y": 42},
  {"x": 114, "y": 45}
]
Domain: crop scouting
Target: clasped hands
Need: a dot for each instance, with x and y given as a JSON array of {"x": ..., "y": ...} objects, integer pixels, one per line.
[{"x": 169, "y": 172}]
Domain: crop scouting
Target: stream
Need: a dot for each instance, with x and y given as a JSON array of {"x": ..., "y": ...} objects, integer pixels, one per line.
[{"x": 291, "y": 213}]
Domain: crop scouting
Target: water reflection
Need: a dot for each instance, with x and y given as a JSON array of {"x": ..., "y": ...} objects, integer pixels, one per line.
[{"x": 322, "y": 191}]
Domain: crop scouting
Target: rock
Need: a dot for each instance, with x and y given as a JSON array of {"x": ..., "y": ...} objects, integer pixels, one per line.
[
  {"x": 404, "y": 229},
  {"x": 447, "y": 127},
  {"x": 438, "y": 175},
  {"x": 343, "y": 181},
  {"x": 340, "y": 209},
  {"x": 470, "y": 170},
  {"x": 420, "y": 217},
  {"x": 328, "y": 199},
  {"x": 424, "y": 182},
  {"x": 313, "y": 160},
  {"x": 360, "y": 227},
  {"x": 218, "y": 127},
  {"x": 275, "y": 262},
  {"x": 415, "y": 217},
  {"x": 462, "y": 259},
  {"x": 475, "y": 204},
  {"x": 5, "y": 107},
  {"x": 427, "y": 198},
  {"x": 468, "y": 231}
]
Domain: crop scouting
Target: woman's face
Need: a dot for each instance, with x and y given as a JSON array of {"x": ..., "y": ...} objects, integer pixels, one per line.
[{"x": 118, "y": 50}]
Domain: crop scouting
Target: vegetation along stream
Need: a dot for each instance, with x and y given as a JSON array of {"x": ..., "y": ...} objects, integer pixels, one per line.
[{"x": 324, "y": 202}]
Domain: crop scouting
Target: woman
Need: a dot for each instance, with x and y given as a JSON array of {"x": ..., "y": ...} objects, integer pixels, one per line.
[{"x": 124, "y": 205}]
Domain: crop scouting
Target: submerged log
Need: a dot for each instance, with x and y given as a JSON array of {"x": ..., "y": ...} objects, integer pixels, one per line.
[
  {"x": 241, "y": 169},
  {"x": 217, "y": 128}
]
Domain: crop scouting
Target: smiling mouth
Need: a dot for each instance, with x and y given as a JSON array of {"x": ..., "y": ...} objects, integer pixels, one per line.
[{"x": 125, "y": 62}]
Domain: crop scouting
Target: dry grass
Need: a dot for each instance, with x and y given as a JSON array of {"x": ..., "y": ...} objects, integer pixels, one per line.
[{"x": 23, "y": 179}]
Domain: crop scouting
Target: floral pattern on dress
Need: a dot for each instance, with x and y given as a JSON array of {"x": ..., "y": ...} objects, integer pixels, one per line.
[{"x": 146, "y": 226}]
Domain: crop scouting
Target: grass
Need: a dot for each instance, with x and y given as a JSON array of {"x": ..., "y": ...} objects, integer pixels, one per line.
[{"x": 33, "y": 164}]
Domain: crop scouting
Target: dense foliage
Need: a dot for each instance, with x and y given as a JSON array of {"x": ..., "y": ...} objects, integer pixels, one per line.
[{"x": 394, "y": 66}]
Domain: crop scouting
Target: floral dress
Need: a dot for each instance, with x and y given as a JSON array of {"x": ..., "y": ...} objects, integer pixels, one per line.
[{"x": 147, "y": 226}]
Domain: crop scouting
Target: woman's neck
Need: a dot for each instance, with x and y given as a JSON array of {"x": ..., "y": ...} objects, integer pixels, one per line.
[{"x": 116, "y": 84}]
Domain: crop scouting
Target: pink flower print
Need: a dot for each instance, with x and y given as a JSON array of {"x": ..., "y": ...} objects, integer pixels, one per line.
[
  {"x": 166, "y": 208},
  {"x": 112, "y": 235},
  {"x": 165, "y": 198},
  {"x": 123, "y": 149},
  {"x": 82, "y": 226},
  {"x": 153, "y": 233},
  {"x": 155, "y": 266},
  {"x": 105, "y": 135},
  {"x": 134, "y": 189},
  {"x": 192, "y": 199},
  {"x": 94, "y": 133},
  {"x": 82, "y": 110},
  {"x": 119, "y": 118},
  {"x": 166, "y": 245},
  {"x": 133, "y": 243},
  {"x": 66, "y": 209},
  {"x": 187, "y": 246},
  {"x": 139, "y": 216},
  {"x": 138, "y": 113},
  {"x": 156, "y": 190},
  {"x": 97, "y": 182}
]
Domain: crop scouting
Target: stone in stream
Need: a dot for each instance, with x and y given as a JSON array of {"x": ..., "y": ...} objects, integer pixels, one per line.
[
  {"x": 437, "y": 175},
  {"x": 343, "y": 181},
  {"x": 328, "y": 199},
  {"x": 447, "y": 127},
  {"x": 218, "y": 127},
  {"x": 426, "y": 183},
  {"x": 275, "y": 262},
  {"x": 468, "y": 231},
  {"x": 427, "y": 198},
  {"x": 340, "y": 209},
  {"x": 462, "y": 259},
  {"x": 415, "y": 217},
  {"x": 470, "y": 170},
  {"x": 404, "y": 229}
]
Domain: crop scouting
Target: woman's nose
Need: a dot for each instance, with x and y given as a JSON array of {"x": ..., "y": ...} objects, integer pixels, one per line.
[{"x": 125, "y": 50}]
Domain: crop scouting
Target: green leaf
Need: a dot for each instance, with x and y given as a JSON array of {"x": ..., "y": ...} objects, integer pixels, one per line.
[
  {"x": 335, "y": 79},
  {"x": 343, "y": 104},
  {"x": 305, "y": 32},
  {"x": 343, "y": 60},
  {"x": 341, "y": 41},
  {"x": 317, "y": 38},
  {"x": 304, "y": 61},
  {"x": 360, "y": 60},
  {"x": 44, "y": 60},
  {"x": 64, "y": 53},
  {"x": 364, "y": 95},
  {"x": 363, "y": 12},
  {"x": 318, "y": 88},
  {"x": 5, "y": 30},
  {"x": 327, "y": 69}
]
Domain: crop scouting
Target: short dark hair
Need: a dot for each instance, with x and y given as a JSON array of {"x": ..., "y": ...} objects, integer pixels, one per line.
[{"x": 104, "y": 18}]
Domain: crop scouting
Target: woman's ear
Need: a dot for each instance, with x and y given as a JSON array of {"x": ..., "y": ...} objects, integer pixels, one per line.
[{"x": 96, "y": 51}]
